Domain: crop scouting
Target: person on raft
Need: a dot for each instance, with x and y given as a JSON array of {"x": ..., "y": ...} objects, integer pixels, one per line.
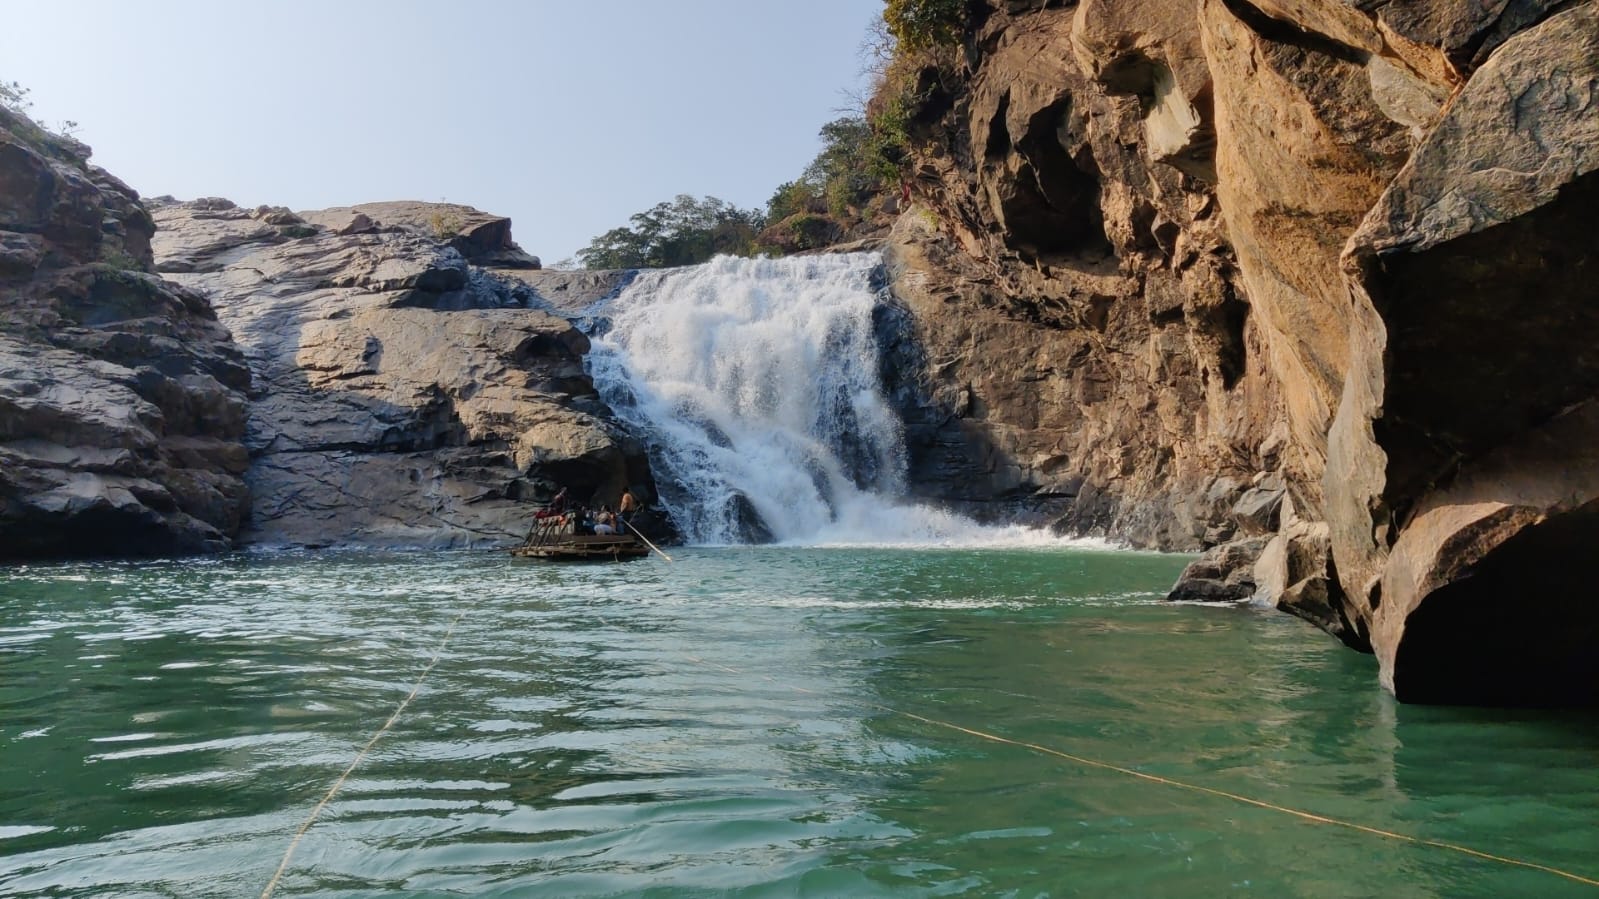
[
  {"x": 626, "y": 508},
  {"x": 554, "y": 508}
]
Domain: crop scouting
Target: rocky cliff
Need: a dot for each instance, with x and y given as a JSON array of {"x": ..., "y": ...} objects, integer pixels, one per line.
[
  {"x": 122, "y": 399},
  {"x": 1304, "y": 283},
  {"x": 413, "y": 385},
  {"x": 392, "y": 374}
]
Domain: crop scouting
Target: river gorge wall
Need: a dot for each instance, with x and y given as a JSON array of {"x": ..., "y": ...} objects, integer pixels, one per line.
[
  {"x": 190, "y": 377},
  {"x": 1305, "y": 285},
  {"x": 122, "y": 398}
]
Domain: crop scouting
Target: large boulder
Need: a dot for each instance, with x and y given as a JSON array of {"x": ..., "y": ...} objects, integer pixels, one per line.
[
  {"x": 1463, "y": 463},
  {"x": 480, "y": 237}
]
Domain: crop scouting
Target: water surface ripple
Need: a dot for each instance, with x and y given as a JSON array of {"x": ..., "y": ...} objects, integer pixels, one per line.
[{"x": 165, "y": 727}]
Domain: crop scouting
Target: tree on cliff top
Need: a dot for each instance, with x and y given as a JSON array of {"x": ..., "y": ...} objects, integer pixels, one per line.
[
  {"x": 835, "y": 198},
  {"x": 840, "y": 177},
  {"x": 919, "y": 25},
  {"x": 14, "y": 96},
  {"x": 684, "y": 231}
]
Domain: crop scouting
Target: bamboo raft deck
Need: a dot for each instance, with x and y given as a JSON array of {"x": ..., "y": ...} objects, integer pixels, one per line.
[
  {"x": 570, "y": 548},
  {"x": 551, "y": 537}
]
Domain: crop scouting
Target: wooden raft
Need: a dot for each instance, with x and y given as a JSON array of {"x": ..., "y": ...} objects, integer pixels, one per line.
[{"x": 569, "y": 548}]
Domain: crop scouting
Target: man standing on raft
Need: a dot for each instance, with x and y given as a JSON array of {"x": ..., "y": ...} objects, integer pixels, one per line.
[{"x": 626, "y": 508}]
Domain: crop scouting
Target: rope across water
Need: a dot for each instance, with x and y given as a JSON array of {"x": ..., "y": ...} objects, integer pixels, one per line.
[
  {"x": 1310, "y": 817},
  {"x": 1301, "y": 814},
  {"x": 338, "y": 784}
]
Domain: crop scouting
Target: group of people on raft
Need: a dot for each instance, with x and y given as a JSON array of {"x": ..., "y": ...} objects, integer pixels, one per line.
[{"x": 583, "y": 521}]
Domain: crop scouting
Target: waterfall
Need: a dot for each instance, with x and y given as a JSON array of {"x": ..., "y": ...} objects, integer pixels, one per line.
[{"x": 755, "y": 384}]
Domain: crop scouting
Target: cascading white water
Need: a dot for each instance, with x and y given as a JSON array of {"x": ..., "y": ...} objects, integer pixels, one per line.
[{"x": 755, "y": 382}]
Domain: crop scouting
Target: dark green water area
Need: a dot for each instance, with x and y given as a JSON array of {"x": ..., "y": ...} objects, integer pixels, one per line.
[{"x": 723, "y": 726}]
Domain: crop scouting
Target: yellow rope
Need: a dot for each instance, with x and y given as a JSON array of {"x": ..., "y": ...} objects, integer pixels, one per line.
[
  {"x": 338, "y": 784},
  {"x": 1210, "y": 791}
]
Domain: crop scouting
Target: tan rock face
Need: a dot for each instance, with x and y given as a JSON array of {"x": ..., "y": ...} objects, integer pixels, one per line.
[
  {"x": 404, "y": 397},
  {"x": 1305, "y": 282},
  {"x": 1303, "y": 152},
  {"x": 121, "y": 397},
  {"x": 1087, "y": 345},
  {"x": 1150, "y": 49},
  {"x": 1465, "y": 435},
  {"x": 480, "y": 238}
]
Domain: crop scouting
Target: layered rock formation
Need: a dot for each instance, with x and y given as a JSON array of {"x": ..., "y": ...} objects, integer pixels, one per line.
[
  {"x": 1307, "y": 283},
  {"x": 122, "y": 399},
  {"x": 405, "y": 394},
  {"x": 1463, "y": 474},
  {"x": 397, "y": 374}
]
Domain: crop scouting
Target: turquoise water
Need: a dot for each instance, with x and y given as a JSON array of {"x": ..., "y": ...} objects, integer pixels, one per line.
[{"x": 722, "y": 726}]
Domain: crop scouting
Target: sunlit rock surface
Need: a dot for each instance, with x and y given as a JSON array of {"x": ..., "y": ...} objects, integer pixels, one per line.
[
  {"x": 1304, "y": 284},
  {"x": 404, "y": 396}
]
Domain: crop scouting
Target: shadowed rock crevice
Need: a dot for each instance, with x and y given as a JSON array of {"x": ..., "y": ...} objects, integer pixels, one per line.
[
  {"x": 1055, "y": 207},
  {"x": 1287, "y": 34},
  {"x": 1466, "y": 32},
  {"x": 1519, "y": 629},
  {"x": 1467, "y": 372}
]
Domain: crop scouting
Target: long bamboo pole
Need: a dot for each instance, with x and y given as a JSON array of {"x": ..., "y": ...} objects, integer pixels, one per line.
[{"x": 646, "y": 540}]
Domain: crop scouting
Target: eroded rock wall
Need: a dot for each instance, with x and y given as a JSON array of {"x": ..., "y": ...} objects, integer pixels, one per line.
[
  {"x": 1302, "y": 283},
  {"x": 122, "y": 399},
  {"x": 408, "y": 391},
  {"x": 1464, "y": 483}
]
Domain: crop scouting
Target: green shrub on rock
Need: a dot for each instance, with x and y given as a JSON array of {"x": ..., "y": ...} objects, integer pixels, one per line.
[{"x": 919, "y": 25}]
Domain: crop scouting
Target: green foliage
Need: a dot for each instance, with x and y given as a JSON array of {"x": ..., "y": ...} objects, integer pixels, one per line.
[
  {"x": 684, "y": 231},
  {"x": 888, "y": 147},
  {"x": 119, "y": 258},
  {"x": 807, "y": 231},
  {"x": 792, "y": 198},
  {"x": 58, "y": 142},
  {"x": 919, "y": 25},
  {"x": 916, "y": 56},
  {"x": 841, "y": 180}
]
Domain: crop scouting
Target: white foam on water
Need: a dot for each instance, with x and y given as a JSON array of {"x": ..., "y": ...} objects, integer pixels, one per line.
[{"x": 756, "y": 383}]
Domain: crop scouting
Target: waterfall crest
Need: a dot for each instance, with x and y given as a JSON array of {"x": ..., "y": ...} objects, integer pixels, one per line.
[{"x": 756, "y": 384}]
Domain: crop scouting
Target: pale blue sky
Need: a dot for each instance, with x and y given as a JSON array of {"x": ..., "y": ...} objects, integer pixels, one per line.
[{"x": 567, "y": 115}]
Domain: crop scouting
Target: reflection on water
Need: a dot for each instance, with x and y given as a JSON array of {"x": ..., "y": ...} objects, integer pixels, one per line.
[{"x": 719, "y": 726}]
